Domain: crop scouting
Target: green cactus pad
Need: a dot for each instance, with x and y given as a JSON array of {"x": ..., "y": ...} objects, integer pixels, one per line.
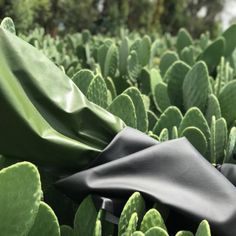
[
  {"x": 97, "y": 91},
  {"x": 213, "y": 108},
  {"x": 133, "y": 66},
  {"x": 46, "y": 222},
  {"x": 187, "y": 55},
  {"x": 174, "y": 133},
  {"x": 66, "y": 230},
  {"x": 82, "y": 79},
  {"x": 161, "y": 98},
  {"x": 196, "y": 87},
  {"x": 144, "y": 50},
  {"x": 141, "y": 113},
  {"x": 132, "y": 226},
  {"x": 194, "y": 117},
  {"x": 229, "y": 36},
  {"x": 212, "y": 54},
  {"x": 227, "y": 100},
  {"x": 85, "y": 218},
  {"x": 152, "y": 119},
  {"x": 19, "y": 198},
  {"x": 174, "y": 78},
  {"x": 230, "y": 145},
  {"x": 138, "y": 233},
  {"x": 135, "y": 204},
  {"x": 169, "y": 118},
  {"x": 8, "y": 24},
  {"x": 184, "y": 233},
  {"x": 184, "y": 39},
  {"x": 218, "y": 140},
  {"x": 151, "y": 219},
  {"x": 154, "y": 231},
  {"x": 111, "y": 61},
  {"x": 196, "y": 138},
  {"x": 203, "y": 229},
  {"x": 111, "y": 87},
  {"x": 164, "y": 135},
  {"x": 123, "y": 107},
  {"x": 98, "y": 228},
  {"x": 167, "y": 59},
  {"x": 123, "y": 55}
]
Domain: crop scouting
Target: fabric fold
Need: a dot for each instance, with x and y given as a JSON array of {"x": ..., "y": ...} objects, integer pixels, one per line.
[
  {"x": 172, "y": 173},
  {"x": 45, "y": 118}
]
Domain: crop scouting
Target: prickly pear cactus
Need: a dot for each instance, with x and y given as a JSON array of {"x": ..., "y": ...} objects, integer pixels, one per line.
[
  {"x": 161, "y": 98},
  {"x": 97, "y": 91},
  {"x": 82, "y": 79},
  {"x": 230, "y": 144},
  {"x": 169, "y": 118},
  {"x": 164, "y": 135},
  {"x": 184, "y": 39},
  {"x": 225, "y": 74},
  {"x": 174, "y": 133},
  {"x": 213, "y": 108},
  {"x": 133, "y": 66},
  {"x": 135, "y": 204},
  {"x": 196, "y": 87},
  {"x": 98, "y": 228},
  {"x": 212, "y": 54},
  {"x": 194, "y": 117},
  {"x": 19, "y": 198},
  {"x": 229, "y": 36},
  {"x": 184, "y": 233},
  {"x": 196, "y": 138},
  {"x": 203, "y": 229},
  {"x": 46, "y": 222},
  {"x": 152, "y": 119},
  {"x": 138, "y": 233},
  {"x": 111, "y": 61},
  {"x": 123, "y": 107},
  {"x": 141, "y": 113},
  {"x": 144, "y": 50},
  {"x": 187, "y": 55},
  {"x": 123, "y": 55},
  {"x": 227, "y": 100},
  {"x": 132, "y": 226},
  {"x": 154, "y": 231},
  {"x": 85, "y": 218},
  {"x": 218, "y": 140},
  {"x": 174, "y": 78},
  {"x": 66, "y": 230},
  {"x": 167, "y": 59},
  {"x": 8, "y": 24},
  {"x": 151, "y": 219}
]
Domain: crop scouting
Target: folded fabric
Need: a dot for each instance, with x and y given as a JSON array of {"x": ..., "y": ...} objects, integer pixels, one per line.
[
  {"x": 173, "y": 173},
  {"x": 44, "y": 116}
]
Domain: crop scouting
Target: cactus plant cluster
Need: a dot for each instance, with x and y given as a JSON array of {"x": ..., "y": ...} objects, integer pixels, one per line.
[
  {"x": 23, "y": 211},
  {"x": 165, "y": 86}
]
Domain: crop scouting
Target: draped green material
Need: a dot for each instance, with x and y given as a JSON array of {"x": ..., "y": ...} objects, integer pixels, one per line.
[{"x": 44, "y": 117}]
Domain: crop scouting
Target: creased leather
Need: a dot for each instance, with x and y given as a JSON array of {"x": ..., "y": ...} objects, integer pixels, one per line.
[
  {"x": 44, "y": 117},
  {"x": 172, "y": 173}
]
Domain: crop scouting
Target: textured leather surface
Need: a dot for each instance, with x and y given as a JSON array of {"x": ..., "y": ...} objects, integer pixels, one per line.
[
  {"x": 172, "y": 173},
  {"x": 44, "y": 118}
]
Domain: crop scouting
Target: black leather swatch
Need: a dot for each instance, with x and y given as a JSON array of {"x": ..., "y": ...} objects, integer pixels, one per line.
[{"x": 172, "y": 173}]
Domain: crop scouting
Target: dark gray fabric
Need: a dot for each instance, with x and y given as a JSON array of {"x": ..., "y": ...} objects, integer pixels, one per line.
[
  {"x": 172, "y": 173},
  {"x": 229, "y": 171}
]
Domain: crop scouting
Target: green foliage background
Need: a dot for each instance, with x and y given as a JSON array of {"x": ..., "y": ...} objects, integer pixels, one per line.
[{"x": 108, "y": 16}]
